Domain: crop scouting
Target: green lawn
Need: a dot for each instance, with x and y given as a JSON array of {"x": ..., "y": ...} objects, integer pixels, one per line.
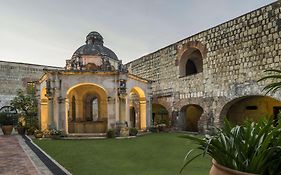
[{"x": 155, "y": 154}]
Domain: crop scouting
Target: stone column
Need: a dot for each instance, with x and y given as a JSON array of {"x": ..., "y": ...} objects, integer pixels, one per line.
[
  {"x": 50, "y": 113},
  {"x": 142, "y": 114},
  {"x": 122, "y": 109}
]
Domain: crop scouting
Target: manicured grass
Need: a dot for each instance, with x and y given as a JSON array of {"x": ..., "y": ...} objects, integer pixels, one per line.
[{"x": 155, "y": 154}]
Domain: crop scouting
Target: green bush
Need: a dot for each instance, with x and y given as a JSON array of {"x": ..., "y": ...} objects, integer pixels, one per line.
[
  {"x": 110, "y": 133},
  {"x": 133, "y": 131},
  {"x": 6, "y": 119},
  {"x": 252, "y": 148}
]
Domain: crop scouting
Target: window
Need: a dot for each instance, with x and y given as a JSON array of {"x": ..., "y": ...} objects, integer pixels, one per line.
[
  {"x": 190, "y": 68},
  {"x": 191, "y": 62}
]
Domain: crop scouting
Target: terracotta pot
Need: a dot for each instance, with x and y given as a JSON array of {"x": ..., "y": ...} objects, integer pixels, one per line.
[
  {"x": 7, "y": 129},
  {"x": 218, "y": 169},
  {"x": 21, "y": 130}
]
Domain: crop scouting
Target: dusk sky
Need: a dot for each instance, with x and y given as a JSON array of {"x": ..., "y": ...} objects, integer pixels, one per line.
[{"x": 49, "y": 31}]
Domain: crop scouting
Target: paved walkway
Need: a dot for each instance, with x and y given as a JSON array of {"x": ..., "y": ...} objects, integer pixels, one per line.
[{"x": 16, "y": 158}]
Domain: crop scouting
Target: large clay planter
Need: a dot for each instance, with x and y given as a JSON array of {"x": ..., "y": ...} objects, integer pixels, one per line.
[
  {"x": 7, "y": 129},
  {"x": 218, "y": 169}
]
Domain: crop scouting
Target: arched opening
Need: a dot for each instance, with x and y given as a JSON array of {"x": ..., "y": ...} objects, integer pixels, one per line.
[
  {"x": 190, "y": 68},
  {"x": 88, "y": 109},
  {"x": 91, "y": 107},
  {"x": 191, "y": 62},
  {"x": 43, "y": 109},
  {"x": 160, "y": 115},
  {"x": 251, "y": 108},
  {"x": 190, "y": 115},
  {"x": 137, "y": 108}
]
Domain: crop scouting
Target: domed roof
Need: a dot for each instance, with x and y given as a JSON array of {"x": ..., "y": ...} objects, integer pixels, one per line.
[{"x": 94, "y": 46}]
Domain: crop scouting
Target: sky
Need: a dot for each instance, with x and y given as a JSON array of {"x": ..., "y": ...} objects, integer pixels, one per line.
[{"x": 48, "y": 32}]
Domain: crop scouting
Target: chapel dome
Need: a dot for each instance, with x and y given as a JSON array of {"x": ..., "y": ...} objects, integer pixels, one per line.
[{"x": 94, "y": 46}]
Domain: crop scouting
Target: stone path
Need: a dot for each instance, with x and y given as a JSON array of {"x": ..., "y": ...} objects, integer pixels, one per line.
[
  {"x": 13, "y": 159},
  {"x": 16, "y": 158}
]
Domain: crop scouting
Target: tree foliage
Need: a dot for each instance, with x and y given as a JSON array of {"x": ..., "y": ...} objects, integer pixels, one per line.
[
  {"x": 275, "y": 76},
  {"x": 26, "y": 104}
]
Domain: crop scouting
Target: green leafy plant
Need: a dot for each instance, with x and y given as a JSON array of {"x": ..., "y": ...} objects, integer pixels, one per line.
[
  {"x": 133, "y": 131},
  {"x": 6, "y": 119},
  {"x": 253, "y": 147},
  {"x": 110, "y": 133},
  {"x": 275, "y": 76},
  {"x": 26, "y": 105}
]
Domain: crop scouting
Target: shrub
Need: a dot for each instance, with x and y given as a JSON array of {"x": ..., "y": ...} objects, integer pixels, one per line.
[
  {"x": 110, "y": 133},
  {"x": 133, "y": 131},
  {"x": 252, "y": 148},
  {"x": 6, "y": 119},
  {"x": 153, "y": 129}
]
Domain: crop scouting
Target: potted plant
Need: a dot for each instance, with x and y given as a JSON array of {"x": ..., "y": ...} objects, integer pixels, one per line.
[
  {"x": 38, "y": 133},
  {"x": 6, "y": 123},
  {"x": 21, "y": 125},
  {"x": 55, "y": 134},
  {"x": 254, "y": 148}
]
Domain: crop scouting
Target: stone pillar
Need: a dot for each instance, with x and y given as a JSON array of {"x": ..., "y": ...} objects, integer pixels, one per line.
[
  {"x": 142, "y": 114},
  {"x": 122, "y": 109},
  {"x": 127, "y": 111},
  {"x": 50, "y": 113},
  {"x": 111, "y": 113}
]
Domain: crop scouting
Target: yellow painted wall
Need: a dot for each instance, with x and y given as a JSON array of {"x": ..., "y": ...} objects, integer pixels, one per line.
[
  {"x": 43, "y": 110},
  {"x": 237, "y": 113},
  {"x": 193, "y": 114}
]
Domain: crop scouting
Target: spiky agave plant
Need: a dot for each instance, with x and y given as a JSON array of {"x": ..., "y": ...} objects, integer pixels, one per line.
[
  {"x": 275, "y": 76},
  {"x": 253, "y": 147}
]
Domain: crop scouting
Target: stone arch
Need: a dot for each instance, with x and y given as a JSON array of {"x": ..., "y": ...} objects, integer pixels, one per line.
[
  {"x": 191, "y": 62},
  {"x": 190, "y": 115},
  {"x": 251, "y": 107},
  {"x": 160, "y": 115},
  {"x": 83, "y": 92},
  {"x": 195, "y": 52},
  {"x": 138, "y": 104}
]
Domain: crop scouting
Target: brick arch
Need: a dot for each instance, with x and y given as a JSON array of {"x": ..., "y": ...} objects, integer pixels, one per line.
[{"x": 190, "y": 46}]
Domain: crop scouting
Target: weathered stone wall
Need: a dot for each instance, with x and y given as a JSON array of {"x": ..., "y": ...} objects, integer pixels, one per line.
[
  {"x": 235, "y": 54},
  {"x": 14, "y": 76}
]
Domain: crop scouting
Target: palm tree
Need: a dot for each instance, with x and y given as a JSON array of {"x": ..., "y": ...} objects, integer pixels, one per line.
[{"x": 275, "y": 76}]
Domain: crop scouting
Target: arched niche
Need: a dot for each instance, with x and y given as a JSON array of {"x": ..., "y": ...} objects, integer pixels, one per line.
[
  {"x": 250, "y": 108},
  {"x": 137, "y": 102},
  {"x": 190, "y": 115},
  {"x": 191, "y": 62}
]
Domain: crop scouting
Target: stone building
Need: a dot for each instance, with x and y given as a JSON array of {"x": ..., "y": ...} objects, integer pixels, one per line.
[
  {"x": 93, "y": 92},
  {"x": 213, "y": 74},
  {"x": 196, "y": 82},
  {"x": 15, "y": 76}
]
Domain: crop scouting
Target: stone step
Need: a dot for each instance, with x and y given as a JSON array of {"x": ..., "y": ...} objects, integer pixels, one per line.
[{"x": 86, "y": 135}]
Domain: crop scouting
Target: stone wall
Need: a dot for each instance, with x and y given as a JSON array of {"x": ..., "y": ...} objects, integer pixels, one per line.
[
  {"x": 14, "y": 76},
  {"x": 235, "y": 55}
]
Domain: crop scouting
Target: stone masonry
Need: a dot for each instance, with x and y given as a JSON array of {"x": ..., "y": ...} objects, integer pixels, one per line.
[
  {"x": 235, "y": 55},
  {"x": 14, "y": 76}
]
